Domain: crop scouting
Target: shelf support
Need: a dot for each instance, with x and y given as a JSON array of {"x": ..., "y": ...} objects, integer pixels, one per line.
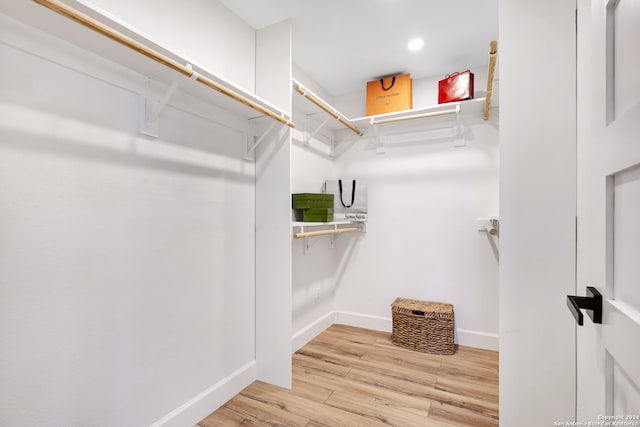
[
  {"x": 151, "y": 110},
  {"x": 458, "y": 140},
  {"x": 344, "y": 144},
  {"x": 250, "y": 148},
  {"x": 309, "y": 135},
  {"x": 379, "y": 143}
]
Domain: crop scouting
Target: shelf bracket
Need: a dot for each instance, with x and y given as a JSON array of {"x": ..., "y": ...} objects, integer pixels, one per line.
[
  {"x": 309, "y": 135},
  {"x": 344, "y": 144},
  {"x": 458, "y": 140},
  {"x": 379, "y": 142},
  {"x": 150, "y": 108},
  {"x": 250, "y": 148}
]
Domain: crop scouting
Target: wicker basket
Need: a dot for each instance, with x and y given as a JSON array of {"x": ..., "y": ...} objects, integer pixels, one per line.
[{"x": 423, "y": 326}]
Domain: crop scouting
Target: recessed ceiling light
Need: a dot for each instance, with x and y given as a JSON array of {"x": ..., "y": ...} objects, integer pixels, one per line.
[{"x": 415, "y": 44}]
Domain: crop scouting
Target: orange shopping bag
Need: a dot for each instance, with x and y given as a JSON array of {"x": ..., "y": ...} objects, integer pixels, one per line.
[{"x": 389, "y": 94}]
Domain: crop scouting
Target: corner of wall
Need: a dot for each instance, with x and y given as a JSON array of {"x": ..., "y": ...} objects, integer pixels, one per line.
[
  {"x": 210, "y": 399},
  {"x": 273, "y": 212}
]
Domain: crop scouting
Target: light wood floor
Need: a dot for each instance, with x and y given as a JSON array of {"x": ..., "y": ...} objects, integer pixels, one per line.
[{"x": 356, "y": 377}]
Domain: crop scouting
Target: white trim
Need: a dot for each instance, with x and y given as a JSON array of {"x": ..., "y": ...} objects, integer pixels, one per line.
[
  {"x": 478, "y": 339},
  {"x": 209, "y": 400},
  {"x": 361, "y": 320},
  {"x": 312, "y": 330}
]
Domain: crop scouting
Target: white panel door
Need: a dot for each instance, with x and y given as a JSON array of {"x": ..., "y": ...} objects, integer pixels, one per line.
[{"x": 608, "y": 245}]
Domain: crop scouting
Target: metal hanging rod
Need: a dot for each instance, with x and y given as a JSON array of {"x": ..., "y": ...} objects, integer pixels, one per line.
[
  {"x": 325, "y": 232},
  {"x": 141, "y": 48},
  {"x": 416, "y": 116},
  {"x": 493, "y": 50},
  {"x": 324, "y": 106}
]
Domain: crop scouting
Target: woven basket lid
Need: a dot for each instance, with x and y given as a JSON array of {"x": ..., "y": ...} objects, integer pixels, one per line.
[{"x": 409, "y": 306}]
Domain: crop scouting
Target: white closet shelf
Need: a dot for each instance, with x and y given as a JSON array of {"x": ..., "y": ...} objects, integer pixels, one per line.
[
  {"x": 319, "y": 224},
  {"x": 66, "y": 28},
  {"x": 471, "y": 106}
]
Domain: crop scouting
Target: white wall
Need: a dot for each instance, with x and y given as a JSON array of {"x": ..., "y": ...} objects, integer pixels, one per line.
[
  {"x": 203, "y": 31},
  {"x": 126, "y": 263},
  {"x": 312, "y": 267},
  {"x": 273, "y": 226},
  {"x": 422, "y": 242},
  {"x": 537, "y": 211},
  {"x": 425, "y": 196}
]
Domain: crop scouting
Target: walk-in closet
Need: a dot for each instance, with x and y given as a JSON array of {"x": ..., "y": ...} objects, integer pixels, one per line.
[{"x": 154, "y": 271}]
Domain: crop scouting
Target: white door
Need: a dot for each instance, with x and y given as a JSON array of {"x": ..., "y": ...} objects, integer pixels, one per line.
[{"x": 608, "y": 246}]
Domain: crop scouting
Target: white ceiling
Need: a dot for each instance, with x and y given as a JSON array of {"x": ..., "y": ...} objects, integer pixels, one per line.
[{"x": 342, "y": 44}]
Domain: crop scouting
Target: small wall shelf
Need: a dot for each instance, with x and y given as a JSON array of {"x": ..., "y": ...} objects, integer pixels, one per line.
[
  {"x": 334, "y": 228},
  {"x": 304, "y": 230}
]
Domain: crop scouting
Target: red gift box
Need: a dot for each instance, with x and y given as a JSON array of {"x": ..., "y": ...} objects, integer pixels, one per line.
[{"x": 456, "y": 87}]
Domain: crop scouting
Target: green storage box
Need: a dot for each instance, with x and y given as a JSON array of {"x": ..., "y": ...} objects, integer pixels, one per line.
[
  {"x": 312, "y": 201},
  {"x": 317, "y": 215}
]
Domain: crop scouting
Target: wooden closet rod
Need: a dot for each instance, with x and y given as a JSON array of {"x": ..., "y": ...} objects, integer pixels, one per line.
[
  {"x": 493, "y": 50},
  {"x": 491, "y": 230},
  {"x": 115, "y": 35},
  {"x": 325, "y": 232},
  {"x": 307, "y": 94}
]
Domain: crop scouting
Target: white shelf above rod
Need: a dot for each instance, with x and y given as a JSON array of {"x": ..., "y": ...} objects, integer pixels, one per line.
[
  {"x": 455, "y": 110},
  {"x": 153, "y": 54},
  {"x": 324, "y": 106}
]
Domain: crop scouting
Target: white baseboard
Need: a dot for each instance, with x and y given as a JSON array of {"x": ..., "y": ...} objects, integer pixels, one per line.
[
  {"x": 465, "y": 337},
  {"x": 478, "y": 339},
  {"x": 366, "y": 321},
  {"x": 210, "y": 399},
  {"x": 312, "y": 331}
]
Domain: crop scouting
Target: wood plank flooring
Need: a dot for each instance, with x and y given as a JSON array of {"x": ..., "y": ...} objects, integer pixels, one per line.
[{"x": 356, "y": 377}]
